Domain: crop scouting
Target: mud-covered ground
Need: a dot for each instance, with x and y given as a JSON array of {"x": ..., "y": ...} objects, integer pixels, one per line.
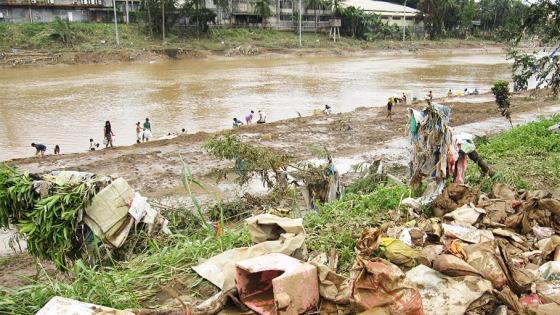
[{"x": 154, "y": 168}]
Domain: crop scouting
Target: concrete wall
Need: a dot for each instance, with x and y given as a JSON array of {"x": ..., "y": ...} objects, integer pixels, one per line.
[{"x": 39, "y": 15}]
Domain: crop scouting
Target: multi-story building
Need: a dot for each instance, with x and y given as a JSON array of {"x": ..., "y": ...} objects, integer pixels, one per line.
[
  {"x": 284, "y": 15},
  {"x": 36, "y": 11},
  {"x": 241, "y": 13}
]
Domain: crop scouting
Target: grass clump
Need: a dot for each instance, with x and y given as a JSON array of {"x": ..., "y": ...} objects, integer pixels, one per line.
[
  {"x": 525, "y": 157},
  {"x": 337, "y": 224},
  {"x": 130, "y": 284}
]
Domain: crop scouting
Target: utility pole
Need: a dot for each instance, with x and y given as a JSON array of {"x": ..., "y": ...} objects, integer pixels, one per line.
[
  {"x": 404, "y": 21},
  {"x": 300, "y": 8},
  {"x": 116, "y": 24},
  {"x": 126, "y": 9},
  {"x": 163, "y": 19}
]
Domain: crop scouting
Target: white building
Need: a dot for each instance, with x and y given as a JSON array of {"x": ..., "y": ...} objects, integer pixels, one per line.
[{"x": 389, "y": 12}]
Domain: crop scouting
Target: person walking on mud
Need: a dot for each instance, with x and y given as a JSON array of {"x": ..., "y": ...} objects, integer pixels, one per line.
[
  {"x": 249, "y": 118},
  {"x": 108, "y": 132},
  {"x": 147, "y": 130},
  {"x": 139, "y": 133},
  {"x": 390, "y": 109},
  {"x": 40, "y": 149}
]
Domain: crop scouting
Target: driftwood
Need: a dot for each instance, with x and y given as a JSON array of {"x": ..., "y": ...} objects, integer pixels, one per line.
[
  {"x": 481, "y": 163},
  {"x": 211, "y": 306}
]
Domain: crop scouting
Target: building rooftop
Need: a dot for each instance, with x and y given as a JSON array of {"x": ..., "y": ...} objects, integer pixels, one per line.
[{"x": 379, "y": 6}]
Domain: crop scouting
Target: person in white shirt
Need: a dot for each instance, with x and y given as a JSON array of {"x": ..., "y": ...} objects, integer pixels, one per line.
[{"x": 262, "y": 117}]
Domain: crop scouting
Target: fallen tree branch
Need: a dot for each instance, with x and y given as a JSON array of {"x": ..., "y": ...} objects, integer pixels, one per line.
[{"x": 484, "y": 167}]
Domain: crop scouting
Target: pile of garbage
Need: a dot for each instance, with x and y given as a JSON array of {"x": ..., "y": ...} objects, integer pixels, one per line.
[
  {"x": 437, "y": 152},
  {"x": 68, "y": 215},
  {"x": 486, "y": 253},
  {"x": 496, "y": 253}
]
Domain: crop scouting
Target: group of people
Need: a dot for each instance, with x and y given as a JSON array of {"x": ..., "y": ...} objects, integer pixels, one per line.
[
  {"x": 143, "y": 134},
  {"x": 465, "y": 92},
  {"x": 144, "y": 131},
  {"x": 249, "y": 119},
  {"x": 41, "y": 149}
]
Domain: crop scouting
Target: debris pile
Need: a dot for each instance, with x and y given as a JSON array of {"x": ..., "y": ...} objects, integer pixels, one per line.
[
  {"x": 67, "y": 215},
  {"x": 437, "y": 152}
]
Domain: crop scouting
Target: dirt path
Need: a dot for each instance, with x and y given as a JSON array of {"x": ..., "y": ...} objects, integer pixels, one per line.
[{"x": 154, "y": 167}]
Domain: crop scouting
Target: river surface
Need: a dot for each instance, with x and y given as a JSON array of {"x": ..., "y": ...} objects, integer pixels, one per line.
[{"x": 68, "y": 105}]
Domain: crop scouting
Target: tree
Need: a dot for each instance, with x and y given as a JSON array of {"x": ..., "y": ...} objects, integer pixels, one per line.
[
  {"x": 467, "y": 14},
  {"x": 262, "y": 9},
  {"x": 540, "y": 25},
  {"x": 438, "y": 16},
  {"x": 354, "y": 22},
  {"x": 501, "y": 92},
  {"x": 359, "y": 24},
  {"x": 334, "y": 6},
  {"x": 224, "y": 6},
  {"x": 201, "y": 17},
  {"x": 62, "y": 29},
  {"x": 151, "y": 13}
]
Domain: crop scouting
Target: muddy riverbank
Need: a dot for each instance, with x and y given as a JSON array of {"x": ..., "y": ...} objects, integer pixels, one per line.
[
  {"x": 191, "y": 50},
  {"x": 73, "y": 102},
  {"x": 154, "y": 167}
]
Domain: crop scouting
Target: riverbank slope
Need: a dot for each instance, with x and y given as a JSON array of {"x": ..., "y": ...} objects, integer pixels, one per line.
[
  {"x": 154, "y": 167},
  {"x": 37, "y": 44}
]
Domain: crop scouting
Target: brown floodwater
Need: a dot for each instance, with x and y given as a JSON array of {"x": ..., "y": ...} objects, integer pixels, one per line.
[{"x": 68, "y": 105}]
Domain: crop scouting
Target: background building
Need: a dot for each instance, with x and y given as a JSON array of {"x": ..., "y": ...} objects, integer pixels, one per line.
[
  {"x": 38, "y": 11},
  {"x": 391, "y": 13}
]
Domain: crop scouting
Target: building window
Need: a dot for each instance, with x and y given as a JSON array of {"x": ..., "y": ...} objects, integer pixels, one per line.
[
  {"x": 285, "y": 17},
  {"x": 285, "y": 4}
]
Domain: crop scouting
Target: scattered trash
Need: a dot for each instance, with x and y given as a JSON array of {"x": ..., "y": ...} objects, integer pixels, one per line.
[
  {"x": 399, "y": 253},
  {"x": 61, "y": 305},
  {"x": 376, "y": 285},
  {"x": 453, "y": 266},
  {"x": 483, "y": 258},
  {"x": 277, "y": 284},
  {"x": 466, "y": 213},
  {"x": 555, "y": 128},
  {"x": 446, "y": 295},
  {"x": 467, "y": 233},
  {"x": 271, "y": 234}
]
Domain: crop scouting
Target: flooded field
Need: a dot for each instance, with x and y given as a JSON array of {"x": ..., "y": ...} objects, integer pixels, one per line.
[{"x": 68, "y": 105}]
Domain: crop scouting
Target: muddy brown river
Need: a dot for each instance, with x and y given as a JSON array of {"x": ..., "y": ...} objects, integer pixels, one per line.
[{"x": 68, "y": 105}]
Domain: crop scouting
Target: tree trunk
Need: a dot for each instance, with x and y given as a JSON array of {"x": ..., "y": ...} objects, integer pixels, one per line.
[
  {"x": 481, "y": 163},
  {"x": 316, "y": 18},
  {"x": 197, "y": 23},
  {"x": 149, "y": 18}
]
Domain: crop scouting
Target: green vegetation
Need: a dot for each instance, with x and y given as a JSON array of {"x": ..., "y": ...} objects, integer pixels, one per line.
[
  {"x": 51, "y": 224},
  {"x": 95, "y": 37},
  {"x": 357, "y": 23},
  {"x": 262, "y": 9},
  {"x": 501, "y": 92},
  {"x": 129, "y": 284},
  {"x": 249, "y": 160},
  {"x": 526, "y": 157},
  {"x": 498, "y": 19},
  {"x": 338, "y": 224},
  {"x": 541, "y": 26}
]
